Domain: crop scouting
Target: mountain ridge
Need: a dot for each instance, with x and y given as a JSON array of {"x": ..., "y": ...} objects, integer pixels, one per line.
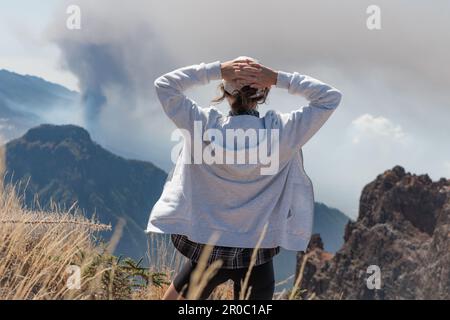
[
  {"x": 27, "y": 101},
  {"x": 36, "y": 78},
  {"x": 403, "y": 230}
]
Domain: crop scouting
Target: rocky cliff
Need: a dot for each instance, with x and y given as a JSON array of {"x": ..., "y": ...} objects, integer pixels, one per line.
[{"x": 403, "y": 229}]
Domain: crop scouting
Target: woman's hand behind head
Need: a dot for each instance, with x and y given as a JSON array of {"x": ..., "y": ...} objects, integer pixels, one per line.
[
  {"x": 263, "y": 77},
  {"x": 238, "y": 71}
]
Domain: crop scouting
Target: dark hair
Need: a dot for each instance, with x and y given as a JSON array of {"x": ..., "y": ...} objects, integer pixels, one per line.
[{"x": 242, "y": 97}]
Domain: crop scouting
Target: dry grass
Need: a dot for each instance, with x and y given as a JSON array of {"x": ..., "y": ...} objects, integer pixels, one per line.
[
  {"x": 37, "y": 247},
  {"x": 296, "y": 290}
]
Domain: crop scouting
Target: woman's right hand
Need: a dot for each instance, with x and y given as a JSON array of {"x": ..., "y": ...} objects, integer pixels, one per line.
[
  {"x": 239, "y": 71},
  {"x": 264, "y": 77}
]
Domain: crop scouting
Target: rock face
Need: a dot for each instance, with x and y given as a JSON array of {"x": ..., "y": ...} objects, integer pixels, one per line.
[{"x": 403, "y": 228}]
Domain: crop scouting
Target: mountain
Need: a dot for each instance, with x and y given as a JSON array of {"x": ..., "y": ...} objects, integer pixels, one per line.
[
  {"x": 403, "y": 229},
  {"x": 63, "y": 164},
  {"x": 26, "y": 101}
]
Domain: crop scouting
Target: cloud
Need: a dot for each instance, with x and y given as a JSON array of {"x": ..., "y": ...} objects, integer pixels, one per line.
[{"x": 369, "y": 127}]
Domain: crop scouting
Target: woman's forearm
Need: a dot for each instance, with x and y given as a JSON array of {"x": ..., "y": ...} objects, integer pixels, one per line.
[
  {"x": 170, "y": 89},
  {"x": 176, "y": 82},
  {"x": 303, "y": 122},
  {"x": 318, "y": 93}
]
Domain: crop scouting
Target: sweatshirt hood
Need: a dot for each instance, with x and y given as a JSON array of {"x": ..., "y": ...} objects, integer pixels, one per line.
[{"x": 245, "y": 146}]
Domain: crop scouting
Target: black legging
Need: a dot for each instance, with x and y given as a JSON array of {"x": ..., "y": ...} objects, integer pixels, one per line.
[{"x": 261, "y": 281}]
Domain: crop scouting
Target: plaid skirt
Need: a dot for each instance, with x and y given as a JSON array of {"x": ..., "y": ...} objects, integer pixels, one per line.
[{"x": 232, "y": 257}]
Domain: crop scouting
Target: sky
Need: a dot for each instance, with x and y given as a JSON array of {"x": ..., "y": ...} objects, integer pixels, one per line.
[
  {"x": 395, "y": 108},
  {"x": 24, "y": 47}
]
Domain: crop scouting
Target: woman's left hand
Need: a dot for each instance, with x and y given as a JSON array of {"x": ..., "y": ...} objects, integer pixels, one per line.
[
  {"x": 260, "y": 76},
  {"x": 238, "y": 70}
]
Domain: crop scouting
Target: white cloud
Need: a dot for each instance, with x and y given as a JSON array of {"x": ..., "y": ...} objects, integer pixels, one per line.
[{"x": 368, "y": 126}]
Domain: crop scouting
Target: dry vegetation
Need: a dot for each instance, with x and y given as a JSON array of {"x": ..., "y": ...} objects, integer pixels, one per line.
[{"x": 41, "y": 253}]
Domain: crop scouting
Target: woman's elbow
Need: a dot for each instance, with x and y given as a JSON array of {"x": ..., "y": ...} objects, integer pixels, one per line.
[
  {"x": 160, "y": 82},
  {"x": 335, "y": 98},
  {"x": 162, "y": 87}
]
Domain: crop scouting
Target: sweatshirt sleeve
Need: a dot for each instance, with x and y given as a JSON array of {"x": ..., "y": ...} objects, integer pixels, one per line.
[
  {"x": 170, "y": 88},
  {"x": 300, "y": 125}
]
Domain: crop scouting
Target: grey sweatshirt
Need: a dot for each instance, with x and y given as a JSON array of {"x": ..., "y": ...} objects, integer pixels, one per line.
[{"x": 237, "y": 204}]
